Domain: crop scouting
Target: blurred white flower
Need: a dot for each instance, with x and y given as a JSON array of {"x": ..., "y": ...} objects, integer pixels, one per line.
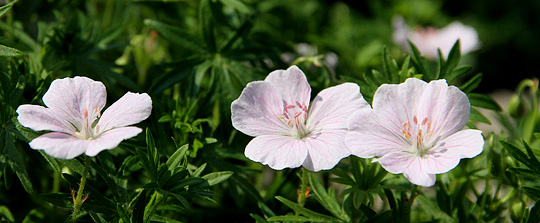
[{"x": 429, "y": 39}]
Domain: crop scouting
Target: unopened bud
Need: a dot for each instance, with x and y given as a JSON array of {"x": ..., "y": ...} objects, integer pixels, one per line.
[
  {"x": 517, "y": 211},
  {"x": 516, "y": 107}
]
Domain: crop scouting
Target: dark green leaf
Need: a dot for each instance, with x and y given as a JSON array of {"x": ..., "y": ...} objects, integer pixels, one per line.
[
  {"x": 177, "y": 157},
  {"x": 532, "y": 192},
  {"x": 478, "y": 117},
  {"x": 6, "y": 7},
  {"x": 291, "y": 218},
  {"x": 217, "y": 177},
  {"x": 312, "y": 216},
  {"x": 534, "y": 213},
  {"x": 206, "y": 25},
  {"x": 17, "y": 164},
  {"x": 327, "y": 199},
  {"x": 175, "y": 34},
  {"x": 525, "y": 172},
  {"x": 483, "y": 101},
  {"x": 472, "y": 83}
]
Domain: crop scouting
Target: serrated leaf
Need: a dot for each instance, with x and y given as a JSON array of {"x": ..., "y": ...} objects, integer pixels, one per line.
[
  {"x": 483, "y": 101},
  {"x": 429, "y": 207},
  {"x": 17, "y": 164},
  {"x": 524, "y": 172},
  {"x": 217, "y": 177},
  {"x": 327, "y": 199},
  {"x": 311, "y": 215}
]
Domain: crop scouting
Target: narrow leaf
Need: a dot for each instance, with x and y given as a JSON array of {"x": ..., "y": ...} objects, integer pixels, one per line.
[{"x": 483, "y": 101}]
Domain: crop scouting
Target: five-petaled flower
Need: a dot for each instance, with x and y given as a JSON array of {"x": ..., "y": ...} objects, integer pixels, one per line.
[
  {"x": 73, "y": 114},
  {"x": 415, "y": 128},
  {"x": 288, "y": 133}
]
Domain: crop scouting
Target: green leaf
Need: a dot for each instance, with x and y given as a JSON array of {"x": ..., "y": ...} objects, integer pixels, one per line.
[
  {"x": 122, "y": 213},
  {"x": 9, "y": 52},
  {"x": 206, "y": 25},
  {"x": 6, "y": 213},
  {"x": 431, "y": 208},
  {"x": 453, "y": 60},
  {"x": 175, "y": 34},
  {"x": 217, "y": 177},
  {"x": 525, "y": 172},
  {"x": 59, "y": 199},
  {"x": 532, "y": 192},
  {"x": 238, "y": 5},
  {"x": 291, "y": 218},
  {"x": 258, "y": 219},
  {"x": 327, "y": 199},
  {"x": 483, "y": 101},
  {"x": 6, "y": 7},
  {"x": 472, "y": 83},
  {"x": 418, "y": 61},
  {"x": 478, "y": 117},
  {"x": 97, "y": 217},
  {"x": 177, "y": 157},
  {"x": 530, "y": 161},
  {"x": 312, "y": 216},
  {"x": 34, "y": 216},
  {"x": 17, "y": 164}
]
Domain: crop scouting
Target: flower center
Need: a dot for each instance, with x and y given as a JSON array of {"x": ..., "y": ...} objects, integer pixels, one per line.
[
  {"x": 420, "y": 135},
  {"x": 295, "y": 117},
  {"x": 87, "y": 130}
]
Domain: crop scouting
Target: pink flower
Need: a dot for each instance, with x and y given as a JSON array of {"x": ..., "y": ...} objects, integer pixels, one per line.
[
  {"x": 73, "y": 114},
  {"x": 429, "y": 40},
  {"x": 415, "y": 128},
  {"x": 288, "y": 133}
]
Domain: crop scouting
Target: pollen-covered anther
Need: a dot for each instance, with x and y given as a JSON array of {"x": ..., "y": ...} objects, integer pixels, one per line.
[
  {"x": 281, "y": 116},
  {"x": 415, "y": 120},
  {"x": 424, "y": 121}
]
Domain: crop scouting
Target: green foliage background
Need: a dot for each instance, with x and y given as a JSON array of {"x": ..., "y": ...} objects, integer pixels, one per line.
[{"x": 195, "y": 57}]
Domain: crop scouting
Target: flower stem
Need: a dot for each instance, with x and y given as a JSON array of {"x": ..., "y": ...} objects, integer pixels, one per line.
[
  {"x": 302, "y": 195},
  {"x": 77, "y": 203},
  {"x": 407, "y": 205}
]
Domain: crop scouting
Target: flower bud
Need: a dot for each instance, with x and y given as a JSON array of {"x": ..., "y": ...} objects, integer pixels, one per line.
[
  {"x": 516, "y": 106},
  {"x": 517, "y": 211}
]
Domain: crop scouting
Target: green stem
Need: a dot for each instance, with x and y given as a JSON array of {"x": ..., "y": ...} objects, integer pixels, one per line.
[
  {"x": 77, "y": 203},
  {"x": 302, "y": 195},
  {"x": 407, "y": 205}
]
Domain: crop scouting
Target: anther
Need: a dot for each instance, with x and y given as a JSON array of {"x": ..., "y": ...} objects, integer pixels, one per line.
[
  {"x": 415, "y": 120},
  {"x": 288, "y": 122},
  {"x": 424, "y": 121},
  {"x": 281, "y": 116}
]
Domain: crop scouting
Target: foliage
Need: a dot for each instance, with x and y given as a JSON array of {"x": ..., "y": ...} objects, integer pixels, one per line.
[{"x": 194, "y": 58}]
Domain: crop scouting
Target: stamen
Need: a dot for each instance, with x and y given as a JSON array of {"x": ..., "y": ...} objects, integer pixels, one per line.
[
  {"x": 420, "y": 133},
  {"x": 281, "y": 116},
  {"x": 404, "y": 132},
  {"x": 415, "y": 120},
  {"x": 288, "y": 122},
  {"x": 289, "y": 106},
  {"x": 406, "y": 125},
  {"x": 424, "y": 121}
]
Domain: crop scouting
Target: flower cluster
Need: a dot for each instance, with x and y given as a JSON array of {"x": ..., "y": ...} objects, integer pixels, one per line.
[{"x": 414, "y": 128}]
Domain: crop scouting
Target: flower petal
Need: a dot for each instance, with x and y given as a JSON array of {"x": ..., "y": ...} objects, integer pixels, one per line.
[
  {"x": 40, "y": 118},
  {"x": 292, "y": 85},
  {"x": 367, "y": 138},
  {"x": 410, "y": 165},
  {"x": 333, "y": 106},
  {"x": 110, "y": 139},
  {"x": 130, "y": 109},
  {"x": 463, "y": 144},
  {"x": 60, "y": 145},
  {"x": 447, "y": 108},
  {"x": 277, "y": 151},
  {"x": 394, "y": 104},
  {"x": 325, "y": 149},
  {"x": 70, "y": 97},
  {"x": 257, "y": 109}
]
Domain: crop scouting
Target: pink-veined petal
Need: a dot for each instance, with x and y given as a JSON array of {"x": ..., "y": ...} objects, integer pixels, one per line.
[
  {"x": 257, "y": 109},
  {"x": 325, "y": 149},
  {"x": 463, "y": 144},
  {"x": 60, "y": 145},
  {"x": 367, "y": 138},
  {"x": 417, "y": 173},
  {"x": 333, "y": 106},
  {"x": 110, "y": 139},
  {"x": 70, "y": 97},
  {"x": 40, "y": 118},
  {"x": 408, "y": 164},
  {"x": 395, "y": 104},
  {"x": 447, "y": 108},
  {"x": 277, "y": 151},
  {"x": 130, "y": 109},
  {"x": 292, "y": 84}
]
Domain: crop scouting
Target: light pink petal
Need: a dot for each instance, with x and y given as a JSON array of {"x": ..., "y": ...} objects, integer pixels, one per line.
[
  {"x": 333, "y": 106},
  {"x": 110, "y": 139},
  {"x": 367, "y": 138},
  {"x": 463, "y": 144},
  {"x": 68, "y": 98},
  {"x": 417, "y": 173},
  {"x": 395, "y": 104},
  {"x": 447, "y": 108},
  {"x": 40, "y": 118},
  {"x": 130, "y": 109},
  {"x": 257, "y": 109},
  {"x": 292, "y": 85},
  {"x": 277, "y": 151},
  {"x": 325, "y": 149},
  {"x": 410, "y": 165},
  {"x": 467, "y": 35},
  {"x": 60, "y": 145}
]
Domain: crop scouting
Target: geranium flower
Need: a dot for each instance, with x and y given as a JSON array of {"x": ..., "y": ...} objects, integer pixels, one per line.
[
  {"x": 73, "y": 114},
  {"x": 429, "y": 40},
  {"x": 415, "y": 128},
  {"x": 287, "y": 132}
]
